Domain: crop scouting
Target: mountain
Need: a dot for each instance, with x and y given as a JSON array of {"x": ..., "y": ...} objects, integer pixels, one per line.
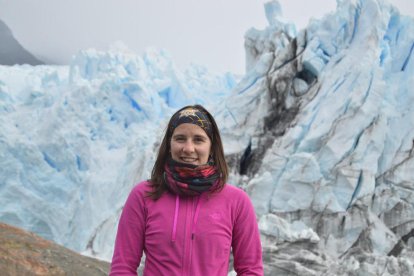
[
  {"x": 319, "y": 132},
  {"x": 11, "y": 52},
  {"x": 24, "y": 253}
]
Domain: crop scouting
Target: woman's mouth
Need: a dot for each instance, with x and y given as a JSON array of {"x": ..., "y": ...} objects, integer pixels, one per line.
[{"x": 188, "y": 159}]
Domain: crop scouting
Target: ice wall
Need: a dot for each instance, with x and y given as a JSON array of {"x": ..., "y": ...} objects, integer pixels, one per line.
[
  {"x": 75, "y": 139},
  {"x": 326, "y": 121}
]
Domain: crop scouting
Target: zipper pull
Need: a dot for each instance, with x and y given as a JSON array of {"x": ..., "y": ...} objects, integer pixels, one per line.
[{"x": 192, "y": 236}]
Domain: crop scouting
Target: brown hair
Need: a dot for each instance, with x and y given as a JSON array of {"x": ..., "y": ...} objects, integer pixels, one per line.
[{"x": 157, "y": 179}]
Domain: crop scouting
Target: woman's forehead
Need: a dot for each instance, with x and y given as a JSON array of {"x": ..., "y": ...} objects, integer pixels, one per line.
[{"x": 189, "y": 129}]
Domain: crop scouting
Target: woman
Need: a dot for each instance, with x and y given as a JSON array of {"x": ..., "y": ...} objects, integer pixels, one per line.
[{"x": 185, "y": 218}]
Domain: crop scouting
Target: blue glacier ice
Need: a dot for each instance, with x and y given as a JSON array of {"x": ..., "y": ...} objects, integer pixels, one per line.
[
  {"x": 74, "y": 139},
  {"x": 319, "y": 132}
]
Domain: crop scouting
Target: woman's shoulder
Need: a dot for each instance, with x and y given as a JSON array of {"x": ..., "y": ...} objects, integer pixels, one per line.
[
  {"x": 229, "y": 188},
  {"x": 234, "y": 192},
  {"x": 141, "y": 187}
]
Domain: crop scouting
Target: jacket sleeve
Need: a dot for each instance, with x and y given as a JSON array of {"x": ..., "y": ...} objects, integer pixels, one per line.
[
  {"x": 129, "y": 241},
  {"x": 247, "y": 249}
]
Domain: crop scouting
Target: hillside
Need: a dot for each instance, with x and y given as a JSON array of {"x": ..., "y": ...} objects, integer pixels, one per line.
[
  {"x": 11, "y": 52},
  {"x": 24, "y": 253}
]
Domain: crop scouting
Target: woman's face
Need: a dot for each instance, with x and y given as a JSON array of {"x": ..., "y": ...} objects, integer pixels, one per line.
[{"x": 190, "y": 144}]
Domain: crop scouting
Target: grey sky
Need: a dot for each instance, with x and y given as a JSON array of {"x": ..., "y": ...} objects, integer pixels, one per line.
[{"x": 205, "y": 32}]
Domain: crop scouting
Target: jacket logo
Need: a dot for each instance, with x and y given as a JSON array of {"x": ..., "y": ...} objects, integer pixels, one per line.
[{"x": 215, "y": 216}]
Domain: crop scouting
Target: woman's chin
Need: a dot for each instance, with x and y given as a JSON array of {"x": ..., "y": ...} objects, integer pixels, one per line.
[{"x": 196, "y": 163}]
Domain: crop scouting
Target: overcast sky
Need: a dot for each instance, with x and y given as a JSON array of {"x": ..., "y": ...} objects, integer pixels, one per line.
[{"x": 204, "y": 32}]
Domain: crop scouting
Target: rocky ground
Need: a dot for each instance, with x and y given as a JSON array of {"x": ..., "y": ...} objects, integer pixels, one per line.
[{"x": 24, "y": 253}]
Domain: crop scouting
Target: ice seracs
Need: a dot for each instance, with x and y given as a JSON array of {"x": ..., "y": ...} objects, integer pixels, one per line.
[
  {"x": 328, "y": 140},
  {"x": 74, "y": 139}
]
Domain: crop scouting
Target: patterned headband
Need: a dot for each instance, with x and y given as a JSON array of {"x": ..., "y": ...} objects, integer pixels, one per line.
[{"x": 192, "y": 115}]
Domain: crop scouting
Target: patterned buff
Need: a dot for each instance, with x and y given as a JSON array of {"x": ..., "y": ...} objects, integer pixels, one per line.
[
  {"x": 188, "y": 179},
  {"x": 192, "y": 115}
]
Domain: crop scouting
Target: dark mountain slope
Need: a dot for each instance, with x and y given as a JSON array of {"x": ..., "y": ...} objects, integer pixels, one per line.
[{"x": 11, "y": 52}]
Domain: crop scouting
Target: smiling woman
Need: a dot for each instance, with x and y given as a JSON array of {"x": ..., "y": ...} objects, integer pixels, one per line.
[
  {"x": 190, "y": 144},
  {"x": 186, "y": 219}
]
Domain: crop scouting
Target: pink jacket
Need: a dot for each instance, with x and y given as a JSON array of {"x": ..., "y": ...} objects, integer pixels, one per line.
[{"x": 187, "y": 235}]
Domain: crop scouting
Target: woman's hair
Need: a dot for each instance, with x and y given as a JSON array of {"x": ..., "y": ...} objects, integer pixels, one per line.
[{"x": 157, "y": 179}]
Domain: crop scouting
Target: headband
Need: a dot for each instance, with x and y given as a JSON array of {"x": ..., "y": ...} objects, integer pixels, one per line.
[{"x": 194, "y": 116}]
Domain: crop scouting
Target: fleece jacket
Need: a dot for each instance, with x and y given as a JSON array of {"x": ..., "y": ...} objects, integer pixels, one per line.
[{"x": 187, "y": 235}]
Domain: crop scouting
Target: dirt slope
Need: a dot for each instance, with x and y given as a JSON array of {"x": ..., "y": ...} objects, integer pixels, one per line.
[{"x": 24, "y": 253}]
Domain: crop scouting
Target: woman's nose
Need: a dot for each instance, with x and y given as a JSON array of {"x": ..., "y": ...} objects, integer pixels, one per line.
[{"x": 188, "y": 147}]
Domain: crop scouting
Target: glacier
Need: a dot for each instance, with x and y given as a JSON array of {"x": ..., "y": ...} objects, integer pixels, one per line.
[
  {"x": 319, "y": 132},
  {"x": 74, "y": 139}
]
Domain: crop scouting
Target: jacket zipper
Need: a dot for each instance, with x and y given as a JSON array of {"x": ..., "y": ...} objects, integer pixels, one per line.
[
  {"x": 187, "y": 237},
  {"x": 191, "y": 223},
  {"x": 194, "y": 213}
]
